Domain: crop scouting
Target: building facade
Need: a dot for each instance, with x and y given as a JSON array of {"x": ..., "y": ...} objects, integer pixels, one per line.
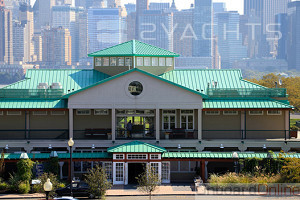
[{"x": 174, "y": 115}]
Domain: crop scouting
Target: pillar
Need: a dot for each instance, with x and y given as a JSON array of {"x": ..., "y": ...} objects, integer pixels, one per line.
[
  {"x": 113, "y": 124},
  {"x": 61, "y": 164},
  {"x": 71, "y": 122},
  {"x": 199, "y": 124},
  {"x": 243, "y": 113},
  {"x": 287, "y": 124},
  {"x": 157, "y": 131},
  {"x": 27, "y": 124},
  {"x": 203, "y": 171}
]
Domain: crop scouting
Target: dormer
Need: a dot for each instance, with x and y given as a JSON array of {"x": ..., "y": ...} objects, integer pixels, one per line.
[{"x": 134, "y": 54}]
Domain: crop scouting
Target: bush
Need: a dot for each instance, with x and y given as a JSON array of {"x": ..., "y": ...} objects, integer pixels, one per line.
[
  {"x": 24, "y": 188},
  {"x": 3, "y": 186},
  {"x": 290, "y": 172},
  {"x": 39, "y": 188},
  {"x": 52, "y": 166},
  {"x": 14, "y": 182},
  {"x": 24, "y": 169}
]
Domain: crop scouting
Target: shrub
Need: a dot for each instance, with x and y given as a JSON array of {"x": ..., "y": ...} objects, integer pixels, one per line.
[
  {"x": 3, "y": 186},
  {"x": 290, "y": 172},
  {"x": 14, "y": 182},
  {"x": 24, "y": 187},
  {"x": 52, "y": 166},
  {"x": 24, "y": 169},
  {"x": 39, "y": 188}
]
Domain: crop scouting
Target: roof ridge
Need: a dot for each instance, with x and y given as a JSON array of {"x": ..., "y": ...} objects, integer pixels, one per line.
[{"x": 111, "y": 47}]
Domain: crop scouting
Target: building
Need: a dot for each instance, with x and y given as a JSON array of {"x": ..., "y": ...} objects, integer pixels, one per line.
[
  {"x": 159, "y": 6},
  {"x": 253, "y": 7},
  {"x": 293, "y": 42},
  {"x": 193, "y": 63},
  {"x": 113, "y": 3},
  {"x": 6, "y": 35},
  {"x": 56, "y": 47},
  {"x": 38, "y": 47},
  {"x": 130, "y": 8},
  {"x": 141, "y": 6},
  {"x": 43, "y": 16},
  {"x": 106, "y": 27},
  {"x": 262, "y": 64},
  {"x": 175, "y": 116},
  {"x": 229, "y": 38},
  {"x": 281, "y": 49},
  {"x": 202, "y": 44},
  {"x": 18, "y": 41}
]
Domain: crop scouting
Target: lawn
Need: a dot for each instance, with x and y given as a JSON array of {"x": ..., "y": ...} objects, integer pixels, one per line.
[{"x": 293, "y": 121}]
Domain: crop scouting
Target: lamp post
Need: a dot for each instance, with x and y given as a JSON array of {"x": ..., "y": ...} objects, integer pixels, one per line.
[
  {"x": 47, "y": 188},
  {"x": 71, "y": 143}
]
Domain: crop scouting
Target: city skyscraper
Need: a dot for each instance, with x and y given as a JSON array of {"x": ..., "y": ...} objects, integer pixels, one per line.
[
  {"x": 253, "y": 7},
  {"x": 229, "y": 38},
  {"x": 202, "y": 24},
  {"x": 113, "y": 3},
  {"x": 281, "y": 49},
  {"x": 6, "y": 35},
  {"x": 141, "y": 6},
  {"x": 293, "y": 42},
  {"x": 106, "y": 28},
  {"x": 44, "y": 13}
]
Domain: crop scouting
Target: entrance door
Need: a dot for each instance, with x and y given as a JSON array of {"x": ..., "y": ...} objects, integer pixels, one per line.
[{"x": 134, "y": 170}]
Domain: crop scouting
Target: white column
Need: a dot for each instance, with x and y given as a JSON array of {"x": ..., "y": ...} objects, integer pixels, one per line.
[
  {"x": 157, "y": 131},
  {"x": 199, "y": 124},
  {"x": 126, "y": 174},
  {"x": 71, "y": 123},
  {"x": 61, "y": 164},
  {"x": 206, "y": 172},
  {"x": 243, "y": 123},
  {"x": 113, "y": 123},
  {"x": 287, "y": 123}
]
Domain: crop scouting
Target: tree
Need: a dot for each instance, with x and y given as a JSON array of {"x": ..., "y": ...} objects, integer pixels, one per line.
[
  {"x": 148, "y": 181},
  {"x": 98, "y": 182},
  {"x": 2, "y": 165},
  {"x": 24, "y": 169}
]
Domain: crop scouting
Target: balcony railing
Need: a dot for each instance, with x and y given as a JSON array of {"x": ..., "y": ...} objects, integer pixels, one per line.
[
  {"x": 146, "y": 134},
  {"x": 246, "y": 92},
  {"x": 177, "y": 134},
  {"x": 31, "y": 93},
  {"x": 92, "y": 134},
  {"x": 49, "y": 134}
]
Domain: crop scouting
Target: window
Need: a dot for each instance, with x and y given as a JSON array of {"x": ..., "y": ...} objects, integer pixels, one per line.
[
  {"x": 155, "y": 166},
  {"x": 13, "y": 112},
  {"x": 113, "y": 61},
  {"x": 58, "y": 112},
  {"x": 1, "y": 112},
  {"x": 105, "y": 61},
  {"x": 165, "y": 172},
  {"x": 256, "y": 112},
  {"x": 162, "y": 62},
  {"x": 147, "y": 61},
  {"x": 139, "y": 61},
  {"x": 169, "y": 62},
  {"x": 39, "y": 112},
  {"x": 121, "y": 61},
  {"x": 154, "y": 61},
  {"x": 212, "y": 112},
  {"x": 230, "y": 112},
  {"x": 119, "y": 172},
  {"x": 108, "y": 169},
  {"x": 98, "y": 62},
  {"x": 128, "y": 62},
  {"x": 154, "y": 157},
  {"x": 136, "y": 156},
  {"x": 101, "y": 112},
  {"x": 135, "y": 88},
  {"x": 274, "y": 112},
  {"x": 119, "y": 156},
  {"x": 83, "y": 112},
  {"x": 187, "y": 119},
  {"x": 169, "y": 119}
]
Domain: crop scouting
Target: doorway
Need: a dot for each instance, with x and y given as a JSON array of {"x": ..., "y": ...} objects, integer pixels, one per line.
[{"x": 134, "y": 170}]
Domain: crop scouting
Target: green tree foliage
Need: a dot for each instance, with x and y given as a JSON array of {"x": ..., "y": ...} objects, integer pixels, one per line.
[
  {"x": 53, "y": 179},
  {"x": 52, "y": 166},
  {"x": 24, "y": 169},
  {"x": 292, "y": 84},
  {"x": 96, "y": 178},
  {"x": 148, "y": 181},
  {"x": 2, "y": 165},
  {"x": 290, "y": 172}
]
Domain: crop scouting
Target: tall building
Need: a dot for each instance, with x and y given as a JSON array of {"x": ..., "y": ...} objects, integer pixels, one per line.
[
  {"x": 281, "y": 52},
  {"x": 159, "y": 6},
  {"x": 203, "y": 24},
  {"x": 141, "y": 6},
  {"x": 106, "y": 27},
  {"x": 44, "y": 13},
  {"x": 18, "y": 41},
  {"x": 56, "y": 46},
  {"x": 38, "y": 47},
  {"x": 6, "y": 35},
  {"x": 113, "y": 3},
  {"x": 155, "y": 28},
  {"x": 253, "y": 7},
  {"x": 293, "y": 42},
  {"x": 183, "y": 36},
  {"x": 130, "y": 8},
  {"x": 229, "y": 38}
]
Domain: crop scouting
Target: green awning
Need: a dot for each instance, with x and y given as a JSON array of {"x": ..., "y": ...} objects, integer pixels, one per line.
[{"x": 136, "y": 147}]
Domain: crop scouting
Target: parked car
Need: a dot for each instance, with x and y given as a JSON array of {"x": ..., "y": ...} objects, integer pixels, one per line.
[
  {"x": 65, "y": 198},
  {"x": 80, "y": 189}
]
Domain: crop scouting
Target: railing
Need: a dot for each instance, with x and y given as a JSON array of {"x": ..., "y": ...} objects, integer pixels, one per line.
[
  {"x": 31, "y": 93},
  {"x": 222, "y": 134},
  {"x": 55, "y": 134},
  {"x": 177, "y": 134},
  {"x": 92, "y": 134},
  {"x": 146, "y": 134},
  {"x": 246, "y": 92}
]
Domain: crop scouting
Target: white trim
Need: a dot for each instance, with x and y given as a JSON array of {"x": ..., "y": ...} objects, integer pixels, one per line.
[
  {"x": 62, "y": 112},
  {"x": 168, "y": 179},
  {"x": 16, "y": 113},
  {"x": 168, "y": 115},
  {"x": 121, "y": 155},
  {"x": 101, "y": 112},
  {"x": 255, "y": 112},
  {"x": 89, "y": 111},
  {"x": 42, "y": 113},
  {"x": 115, "y": 182},
  {"x": 156, "y": 155},
  {"x": 279, "y": 112},
  {"x": 137, "y": 155},
  {"x": 212, "y": 112},
  {"x": 230, "y": 112}
]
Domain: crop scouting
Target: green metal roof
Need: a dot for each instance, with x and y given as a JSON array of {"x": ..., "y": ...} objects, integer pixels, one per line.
[
  {"x": 32, "y": 103},
  {"x": 198, "y": 79},
  {"x": 136, "y": 147},
  {"x": 70, "y": 79},
  {"x": 134, "y": 48},
  {"x": 244, "y": 103},
  {"x": 197, "y": 155}
]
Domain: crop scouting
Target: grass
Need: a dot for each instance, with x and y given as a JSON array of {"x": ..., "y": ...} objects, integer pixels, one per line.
[{"x": 293, "y": 121}]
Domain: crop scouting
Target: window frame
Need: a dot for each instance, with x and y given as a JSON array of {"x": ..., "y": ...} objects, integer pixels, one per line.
[
  {"x": 235, "y": 112},
  {"x": 64, "y": 113},
  {"x": 39, "y": 114},
  {"x": 15, "y": 114},
  {"x": 162, "y": 59},
  {"x": 187, "y": 120},
  {"x": 146, "y": 58},
  {"x": 90, "y": 112},
  {"x": 171, "y": 63},
  {"x": 212, "y": 113},
  {"x": 153, "y": 59},
  {"x": 169, "y": 115},
  {"x": 139, "y": 61},
  {"x": 280, "y": 112},
  {"x": 96, "y": 62},
  {"x": 106, "y": 112},
  {"x": 258, "y": 114},
  {"x": 1, "y": 113}
]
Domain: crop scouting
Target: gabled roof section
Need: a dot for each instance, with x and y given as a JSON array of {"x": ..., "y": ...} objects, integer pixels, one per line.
[
  {"x": 199, "y": 79},
  {"x": 134, "y": 48},
  {"x": 70, "y": 79},
  {"x": 130, "y": 71},
  {"x": 136, "y": 147}
]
